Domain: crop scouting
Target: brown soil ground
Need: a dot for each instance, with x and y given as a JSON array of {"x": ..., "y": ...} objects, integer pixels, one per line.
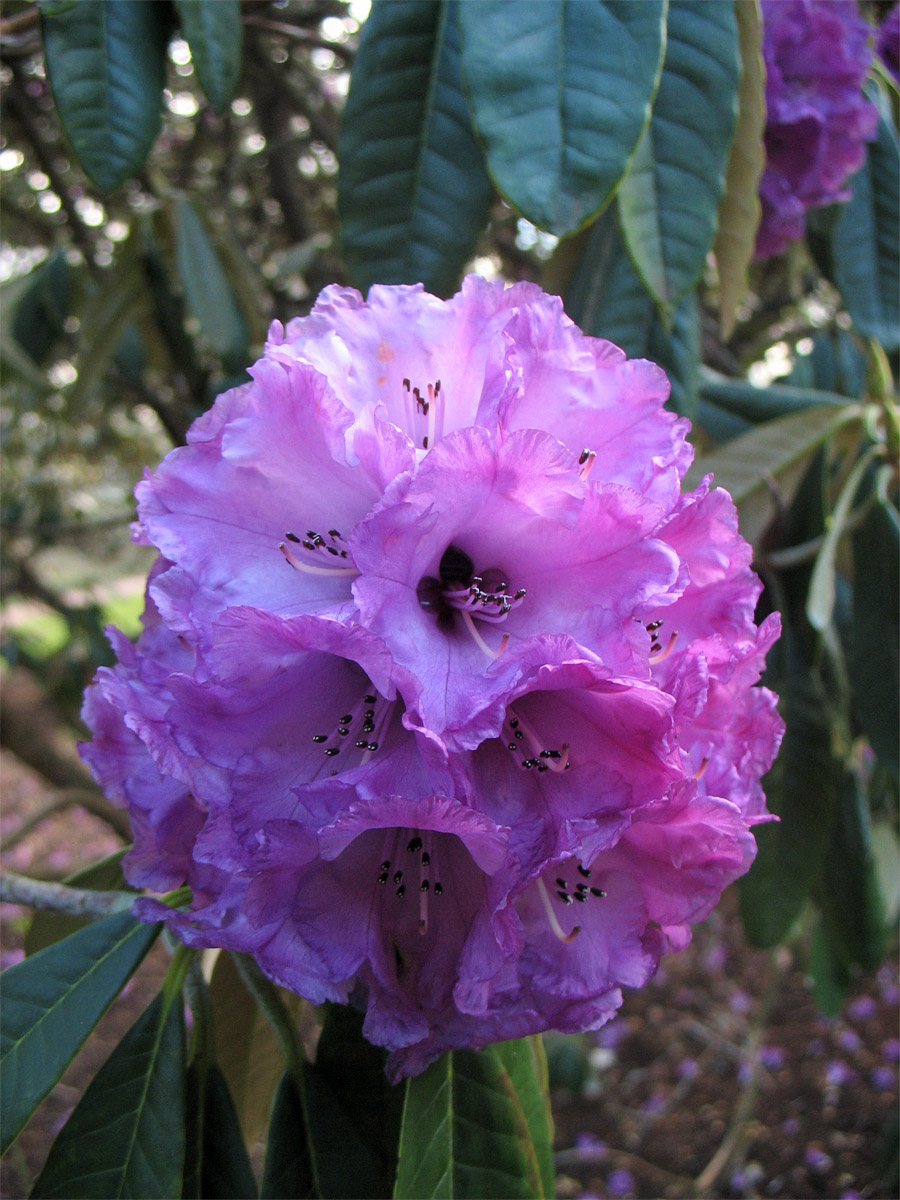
[{"x": 720, "y": 1071}]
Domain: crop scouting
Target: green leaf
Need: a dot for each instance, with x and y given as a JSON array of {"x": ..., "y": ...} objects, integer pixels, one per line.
[
  {"x": 49, "y": 927},
  {"x": 669, "y": 200},
  {"x": 225, "y": 1170},
  {"x": 53, "y": 1000},
  {"x": 848, "y": 893},
  {"x": 126, "y": 1136},
  {"x": 757, "y": 404},
  {"x": 526, "y": 1064},
  {"x": 739, "y": 213},
  {"x": 606, "y": 299},
  {"x": 778, "y": 450},
  {"x": 875, "y": 650},
  {"x": 209, "y": 294},
  {"x": 802, "y": 789},
  {"x": 105, "y": 61},
  {"x": 213, "y": 30},
  {"x": 465, "y": 1134},
  {"x": 413, "y": 193},
  {"x": 106, "y": 316},
  {"x": 354, "y": 1069},
  {"x": 313, "y": 1148},
  {"x": 561, "y": 91},
  {"x": 830, "y": 975},
  {"x": 866, "y": 243}
]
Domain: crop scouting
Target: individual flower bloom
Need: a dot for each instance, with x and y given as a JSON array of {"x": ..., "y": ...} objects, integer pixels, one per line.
[
  {"x": 495, "y": 541},
  {"x": 348, "y": 400},
  {"x": 816, "y": 55},
  {"x": 889, "y": 42}
]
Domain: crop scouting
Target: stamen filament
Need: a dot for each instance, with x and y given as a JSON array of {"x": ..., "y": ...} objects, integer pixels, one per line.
[
  {"x": 301, "y": 566},
  {"x": 558, "y": 930},
  {"x": 550, "y": 760},
  {"x": 586, "y": 461},
  {"x": 665, "y": 652},
  {"x": 479, "y": 640},
  {"x": 701, "y": 770}
]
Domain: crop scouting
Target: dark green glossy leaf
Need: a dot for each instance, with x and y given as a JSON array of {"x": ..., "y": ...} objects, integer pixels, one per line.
[
  {"x": 669, "y": 200},
  {"x": 209, "y": 295},
  {"x": 126, "y": 1136},
  {"x": 875, "y": 652},
  {"x": 740, "y": 210},
  {"x": 212, "y": 29},
  {"x": 464, "y": 1133},
  {"x": 49, "y": 927},
  {"x": 848, "y": 893},
  {"x": 354, "y": 1069},
  {"x": 866, "y": 242},
  {"x": 105, "y": 63},
  {"x": 53, "y": 1000},
  {"x": 607, "y": 299},
  {"x": 313, "y": 1148},
  {"x": 413, "y": 192},
  {"x": 756, "y": 404},
  {"x": 225, "y": 1171},
  {"x": 561, "y": 91}
]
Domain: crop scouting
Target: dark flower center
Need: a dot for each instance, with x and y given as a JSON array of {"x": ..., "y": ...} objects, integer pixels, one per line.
[{"x": 457, "y": 589}]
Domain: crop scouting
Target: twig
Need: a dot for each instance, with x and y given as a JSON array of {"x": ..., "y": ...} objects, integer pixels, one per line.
[{"x": 59, "y": 897}]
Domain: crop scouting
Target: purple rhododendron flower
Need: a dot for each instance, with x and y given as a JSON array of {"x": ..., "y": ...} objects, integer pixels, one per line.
[
  {"x": 816, "y": 55},
  {"x": 445, "y": 701}
]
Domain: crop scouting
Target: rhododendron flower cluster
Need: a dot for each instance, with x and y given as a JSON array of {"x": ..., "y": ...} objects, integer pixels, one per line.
[
  {"x": 816, "y": 56},
  {"x": 444, "y": 704}
]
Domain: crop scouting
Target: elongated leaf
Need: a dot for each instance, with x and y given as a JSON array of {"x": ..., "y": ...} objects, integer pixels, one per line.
[
  {"x": 209, "y": 294},
  {"x": 105, "y": 318},
  {"x": 225, "y": 1170},
  {"x": 802, "y": 789},
  {"x": 848, "y": 893},
  {"x": 561, "y": 91},
  {"x": 607, "y": 299},
  {"x": 776, "y": 450},
  {"x": 875, "y": 652},
  {"x": 105, "y": 63},
  {"x": 354, "y": 1070},
  {"x": 49, "y": 927},
  {"x": 830, "y": 975},
  {"x": 464, "y": 1133},
  {"x": 313, "y": 1148},
  {"x": 866, "y": 242},
  {"x": 126, "y": 1136},
  {"x": 756, "y": 404},
  {"x": 740, "y": 211},
  {"x": 413, "y": 192},
  {"x": 212, "y": 29},
  {"x": 669, "y": 200},
  {"x": 40, "y": 312},
  {"x": 247, "y": 1050},
  {"x": 53, "y": 1000},
  {"x": 526, "y": 1064}
]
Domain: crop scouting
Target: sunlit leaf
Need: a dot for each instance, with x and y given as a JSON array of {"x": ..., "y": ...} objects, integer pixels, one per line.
[
  {"x": 740, "y": 211},
  {"x": 561, "y": 91},
  {"x": 669, "y": 200},
  {"x": 213, "y": 30},
  {"x": 526, "y": 1063},
  {"x": 53, "y": 1000},
  {"x": 413, "y": 192},
  {"x": 105, "y": 62},
  {"x": 125, "y": 1138}
]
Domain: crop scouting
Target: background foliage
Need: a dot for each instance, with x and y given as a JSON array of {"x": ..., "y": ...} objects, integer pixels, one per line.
[{"x": 176, "y": 175}]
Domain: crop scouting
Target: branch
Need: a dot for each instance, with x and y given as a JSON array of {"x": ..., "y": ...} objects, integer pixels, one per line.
[{"x": 59, "y": 897}]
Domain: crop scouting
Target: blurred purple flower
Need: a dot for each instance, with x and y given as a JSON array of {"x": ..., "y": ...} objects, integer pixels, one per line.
[
  {"x": 849, "y": 1040},
  {"x": 890, "y": 1049},
  {"x": 889, "y": 42},
  {"x": 817, "y": 1160},
  {"x": 816, "y": 55},
  {"x": 837, "y": 1073},
  {"x": 435, "y": 710},
  {"x": 883, "y": 1078},
  {"x": 771, "y": 1057},
  {"x": 620, "y": 1183},
  {"x": 862, "y": 1008}
]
